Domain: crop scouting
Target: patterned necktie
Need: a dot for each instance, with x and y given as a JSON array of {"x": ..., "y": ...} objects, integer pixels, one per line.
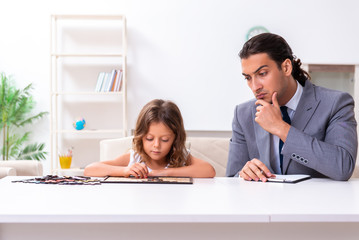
[{"x": 286, "y": 118}]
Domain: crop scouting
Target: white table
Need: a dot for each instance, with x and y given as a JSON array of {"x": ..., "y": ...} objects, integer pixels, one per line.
[{"x": 219, "y": 208}]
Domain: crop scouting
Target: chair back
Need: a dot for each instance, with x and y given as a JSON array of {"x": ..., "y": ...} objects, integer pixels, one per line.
[{"x": 212, "y": 150}]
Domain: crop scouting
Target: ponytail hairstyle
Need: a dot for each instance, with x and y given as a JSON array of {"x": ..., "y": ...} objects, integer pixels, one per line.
[
  {"x": 166, "y": 112},
  {"x": 278, "y": 50}
]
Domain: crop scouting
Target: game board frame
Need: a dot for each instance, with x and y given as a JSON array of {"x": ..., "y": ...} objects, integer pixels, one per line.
[{"x": 152, "y": 179}]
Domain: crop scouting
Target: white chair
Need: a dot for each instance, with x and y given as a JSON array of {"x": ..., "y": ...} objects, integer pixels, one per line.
[
  {"x": 356, "y": 172},
  {"x": 212, "y": 150}
]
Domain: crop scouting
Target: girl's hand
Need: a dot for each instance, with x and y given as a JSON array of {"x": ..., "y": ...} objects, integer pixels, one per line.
[
  {"x": 162, "y": 172},
  {"x": 138, "y": 170}
]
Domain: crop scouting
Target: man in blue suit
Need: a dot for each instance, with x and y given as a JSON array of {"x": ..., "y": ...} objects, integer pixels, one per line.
[{"x": 293, "y": 126}]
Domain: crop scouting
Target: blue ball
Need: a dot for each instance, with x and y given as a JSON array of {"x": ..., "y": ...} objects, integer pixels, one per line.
[{"x": 79, "y": 124}]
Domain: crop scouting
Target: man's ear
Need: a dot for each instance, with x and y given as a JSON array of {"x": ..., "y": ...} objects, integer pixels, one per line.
[{"x": 287, "y": 67}]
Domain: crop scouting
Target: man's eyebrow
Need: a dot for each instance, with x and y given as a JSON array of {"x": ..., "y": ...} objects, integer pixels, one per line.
[{"x": 258, "y": 69}]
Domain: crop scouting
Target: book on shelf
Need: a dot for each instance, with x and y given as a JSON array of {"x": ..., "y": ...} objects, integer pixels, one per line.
[
  {"x": 109, "y": 81},
  {"x": 113, "y": 86},
  {"x": 118, "y": 81},
  {"x": 105, "y": 82},
  {"x": 100, "y": 80}
]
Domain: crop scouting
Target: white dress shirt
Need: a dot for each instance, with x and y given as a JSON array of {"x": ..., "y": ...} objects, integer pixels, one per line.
[{"x": 292, "y": 106}]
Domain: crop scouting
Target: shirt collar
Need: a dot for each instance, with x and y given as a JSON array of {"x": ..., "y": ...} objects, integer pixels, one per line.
[{"x": 293, "y": 102}]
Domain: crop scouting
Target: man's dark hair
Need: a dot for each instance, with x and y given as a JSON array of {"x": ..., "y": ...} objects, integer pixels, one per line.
[{"x": 278, "y": 50}]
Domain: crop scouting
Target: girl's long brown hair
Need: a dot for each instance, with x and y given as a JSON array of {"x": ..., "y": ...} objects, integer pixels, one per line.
[{"x": 166, "y": 112}]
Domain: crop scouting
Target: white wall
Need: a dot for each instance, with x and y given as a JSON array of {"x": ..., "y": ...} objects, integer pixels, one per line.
[{"x": 183, "y": 50}]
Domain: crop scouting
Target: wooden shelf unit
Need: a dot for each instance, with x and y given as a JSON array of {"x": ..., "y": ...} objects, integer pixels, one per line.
[{"x": 119, "y": 58}]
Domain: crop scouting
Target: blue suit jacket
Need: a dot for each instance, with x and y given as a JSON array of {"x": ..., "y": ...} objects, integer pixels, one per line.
[{"x": 321, "y": 142}]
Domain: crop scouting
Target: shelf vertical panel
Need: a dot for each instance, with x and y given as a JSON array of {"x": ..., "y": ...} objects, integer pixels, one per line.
[{"x": 124, "y": 71}]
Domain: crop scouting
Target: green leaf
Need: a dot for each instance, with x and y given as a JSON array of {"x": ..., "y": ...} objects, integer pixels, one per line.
[{"x": 33, "y": 151}]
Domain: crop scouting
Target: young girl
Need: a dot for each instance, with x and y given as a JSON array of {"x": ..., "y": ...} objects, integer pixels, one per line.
[{"x": 158, "y": 148}]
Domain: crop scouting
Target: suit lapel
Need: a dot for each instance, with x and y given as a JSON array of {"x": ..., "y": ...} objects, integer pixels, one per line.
[
  {"x": 306, "y": 107},
  {"x": 304, "y": 112},
  {"x": 263, "y": 142}
]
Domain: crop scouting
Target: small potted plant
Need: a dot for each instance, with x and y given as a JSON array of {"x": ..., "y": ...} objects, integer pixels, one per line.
[{"x": 16, "y": 106}]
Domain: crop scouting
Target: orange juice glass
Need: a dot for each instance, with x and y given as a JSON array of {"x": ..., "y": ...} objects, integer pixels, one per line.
[{"x": 65, "y": 161}]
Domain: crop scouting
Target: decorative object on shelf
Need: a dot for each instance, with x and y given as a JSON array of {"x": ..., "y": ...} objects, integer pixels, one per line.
[
  {"x": 255, "y": 31},
  {"x": 16, "y": 107},
  {"x": 79, "y": 123}
]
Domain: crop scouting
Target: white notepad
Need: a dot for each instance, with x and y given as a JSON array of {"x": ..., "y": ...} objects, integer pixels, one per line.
[{"x": 289, "y": 178}]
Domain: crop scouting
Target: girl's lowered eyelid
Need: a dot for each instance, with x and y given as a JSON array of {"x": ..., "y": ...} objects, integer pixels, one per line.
[{"x": 163, "y": 139}]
